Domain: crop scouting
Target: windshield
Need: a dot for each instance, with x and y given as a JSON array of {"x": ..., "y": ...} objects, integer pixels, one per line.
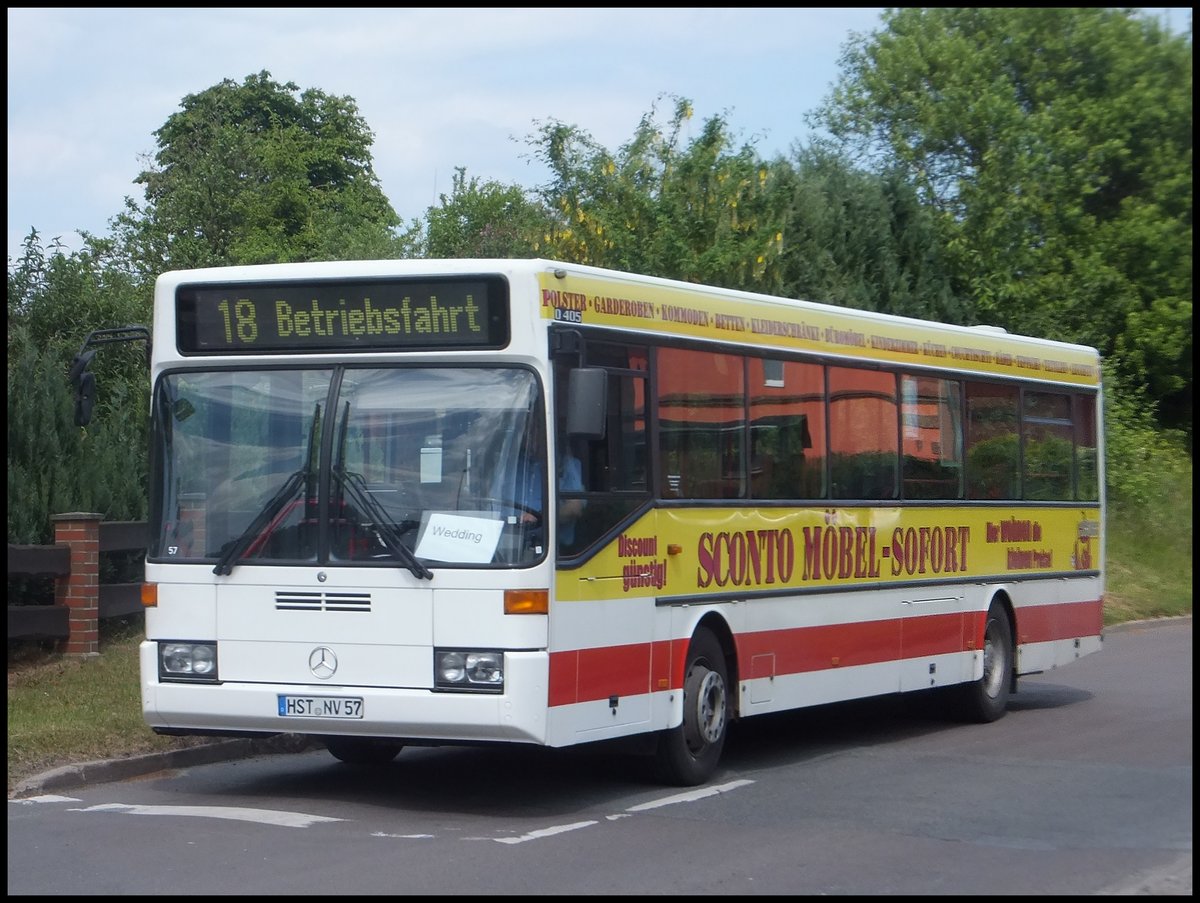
[{"x": 409, "y": 467}]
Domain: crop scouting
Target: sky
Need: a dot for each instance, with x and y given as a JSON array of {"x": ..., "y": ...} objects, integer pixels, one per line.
[{"x": 439, "y": 88}]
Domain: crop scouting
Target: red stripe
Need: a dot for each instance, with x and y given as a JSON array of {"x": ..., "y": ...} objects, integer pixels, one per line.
[
  {"x": 804, "y": 649},
  {"x": 934, "y": 635},
  {"x": 1044, "y": 623},
  {"x": 584, "y": 675},
  {"x": 564, "y": 678}
]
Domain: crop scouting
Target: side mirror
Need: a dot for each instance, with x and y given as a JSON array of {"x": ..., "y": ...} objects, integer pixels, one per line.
[
  {"x": 85, "y": 398},
  {"x": 587, "y": 402},
  {"x": 84, "y": 382},
  {"x": 85, "y": 387}
]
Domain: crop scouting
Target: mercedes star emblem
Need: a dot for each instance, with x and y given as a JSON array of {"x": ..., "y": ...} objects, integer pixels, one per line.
[{"x": 322, "y": 662}]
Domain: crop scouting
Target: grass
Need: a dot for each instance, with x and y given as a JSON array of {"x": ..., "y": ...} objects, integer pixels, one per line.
[
  {"x": 1150, "y": 562},
  {"x": 63, "y": 710},
  {"x": 67, "y": 710}
]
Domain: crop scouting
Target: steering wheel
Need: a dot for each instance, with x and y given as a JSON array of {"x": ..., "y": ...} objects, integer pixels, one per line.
[{"x": 514, "y": 505}]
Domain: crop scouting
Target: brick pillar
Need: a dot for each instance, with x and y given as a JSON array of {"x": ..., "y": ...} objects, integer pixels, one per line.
[{"x": 79, "y": 591}]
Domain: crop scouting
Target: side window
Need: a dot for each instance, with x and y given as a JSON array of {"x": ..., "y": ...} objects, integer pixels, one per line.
[
  {"x": 602, "y": 480},
  {"x": 1086, "y": 450},
  {"x": 863, "y": 433},
  {"x": 787, "y": 429},
  {"x": 931, "y": 419},
  {"x": 992, "y": 442},
  {"x": 1047, "y": 446},
  {"x": 701, "y": 423},
  {"x": 619, "y": 462}
]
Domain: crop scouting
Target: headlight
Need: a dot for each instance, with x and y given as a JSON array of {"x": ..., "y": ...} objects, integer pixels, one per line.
[
  {"x": 452, "y": 668},
  {"x": 187, "y": 661},
  {"x": 468, "y": 669}
]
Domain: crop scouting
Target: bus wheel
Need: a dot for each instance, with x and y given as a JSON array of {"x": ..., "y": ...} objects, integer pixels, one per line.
[
  {"x": 363, "y": 750},
  {"x": 986, "y": 699},
  {"x": 688, "y": 754}
]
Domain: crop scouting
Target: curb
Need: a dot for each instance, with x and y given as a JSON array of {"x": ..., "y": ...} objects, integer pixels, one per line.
[
  {"x": 1149, "y": 622},
  {"x": 104, "y": 771}
]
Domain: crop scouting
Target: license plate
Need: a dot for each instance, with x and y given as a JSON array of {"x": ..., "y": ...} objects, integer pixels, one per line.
[{"x": 320, "y": 707}]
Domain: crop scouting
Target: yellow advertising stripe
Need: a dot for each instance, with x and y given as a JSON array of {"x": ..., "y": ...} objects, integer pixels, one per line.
[
  {"x": 699, "y": 551},
  {"x": 759, "y": 321}
]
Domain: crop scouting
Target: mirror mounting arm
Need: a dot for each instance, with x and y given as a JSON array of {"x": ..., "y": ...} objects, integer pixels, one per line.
[{"x": 85, "y": 382}]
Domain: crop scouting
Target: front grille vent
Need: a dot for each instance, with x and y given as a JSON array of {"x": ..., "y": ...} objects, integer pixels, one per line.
[{"x": 322, "y": 601}]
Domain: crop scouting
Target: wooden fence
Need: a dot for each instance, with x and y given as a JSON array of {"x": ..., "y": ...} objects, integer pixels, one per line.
[{"x": 80, "y": 600}]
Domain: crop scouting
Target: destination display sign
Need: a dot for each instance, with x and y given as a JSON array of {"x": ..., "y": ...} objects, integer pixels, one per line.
[{"x": 326, "y": 316}]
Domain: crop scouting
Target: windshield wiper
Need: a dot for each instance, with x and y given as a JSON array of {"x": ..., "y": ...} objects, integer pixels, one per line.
[
  {"x": 380, "y": 524},
  {"x": 238, "y": 547},
  {"x": 285, "y": 494}
]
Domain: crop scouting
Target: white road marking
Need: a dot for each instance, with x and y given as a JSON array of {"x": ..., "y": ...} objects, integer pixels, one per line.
[
  {"x": 260, "y": 816},
  {"x": 301, "y": 820},
  {"x": 403, "y": 836},
  {"x": 545, "y": 832},
  {"x": 689, "y": 797}
]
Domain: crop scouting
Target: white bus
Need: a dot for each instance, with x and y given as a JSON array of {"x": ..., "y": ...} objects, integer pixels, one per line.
[{"x": 529, "y": 502}]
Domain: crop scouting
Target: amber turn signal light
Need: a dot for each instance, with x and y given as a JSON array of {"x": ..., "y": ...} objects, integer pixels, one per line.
[{"x": 526, "y": 601}]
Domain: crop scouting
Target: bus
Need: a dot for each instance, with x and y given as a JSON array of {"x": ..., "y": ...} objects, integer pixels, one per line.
[{"x": 427, "y": 502}]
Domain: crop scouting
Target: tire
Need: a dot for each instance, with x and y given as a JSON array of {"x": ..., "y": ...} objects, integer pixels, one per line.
[
  {"x": 687, "y": 755},
  {"x": 985, "y": 700},
  {"x": 363, "y": 750}
]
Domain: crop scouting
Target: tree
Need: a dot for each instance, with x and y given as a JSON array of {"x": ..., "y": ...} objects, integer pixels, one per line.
[
  {"x": 54, "y": 300},
  {"x": 700, "y": 211},
  {"x": 1055, "y": 144},
  {"x": 484, "y": 220},
  {"x": 862, "y": 240},
  {"x": 257, "y": 173},
  {"x": 710, "y": 211}
]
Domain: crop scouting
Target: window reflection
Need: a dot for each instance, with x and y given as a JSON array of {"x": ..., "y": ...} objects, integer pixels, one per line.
[
  {"x": 701, "y": 421},
  {"x": 863, "y": 433},
  {"x": 931, "y": 418},
  {"x": 787, "y": 429},
  {"x": 992, "y": 432}
]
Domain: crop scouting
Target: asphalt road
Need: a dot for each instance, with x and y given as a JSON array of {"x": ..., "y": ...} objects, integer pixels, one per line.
[{"x": 1085, "y": 787}]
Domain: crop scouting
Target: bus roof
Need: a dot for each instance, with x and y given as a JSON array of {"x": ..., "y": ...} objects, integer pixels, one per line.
[{"x": 594, "y": 296}]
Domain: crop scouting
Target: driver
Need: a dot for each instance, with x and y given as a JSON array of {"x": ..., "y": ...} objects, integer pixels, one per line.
[
  {"x": 529, "y": 488},
  {"x": 529, "y": 485},
  {"x": 517, "y": 488}
]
